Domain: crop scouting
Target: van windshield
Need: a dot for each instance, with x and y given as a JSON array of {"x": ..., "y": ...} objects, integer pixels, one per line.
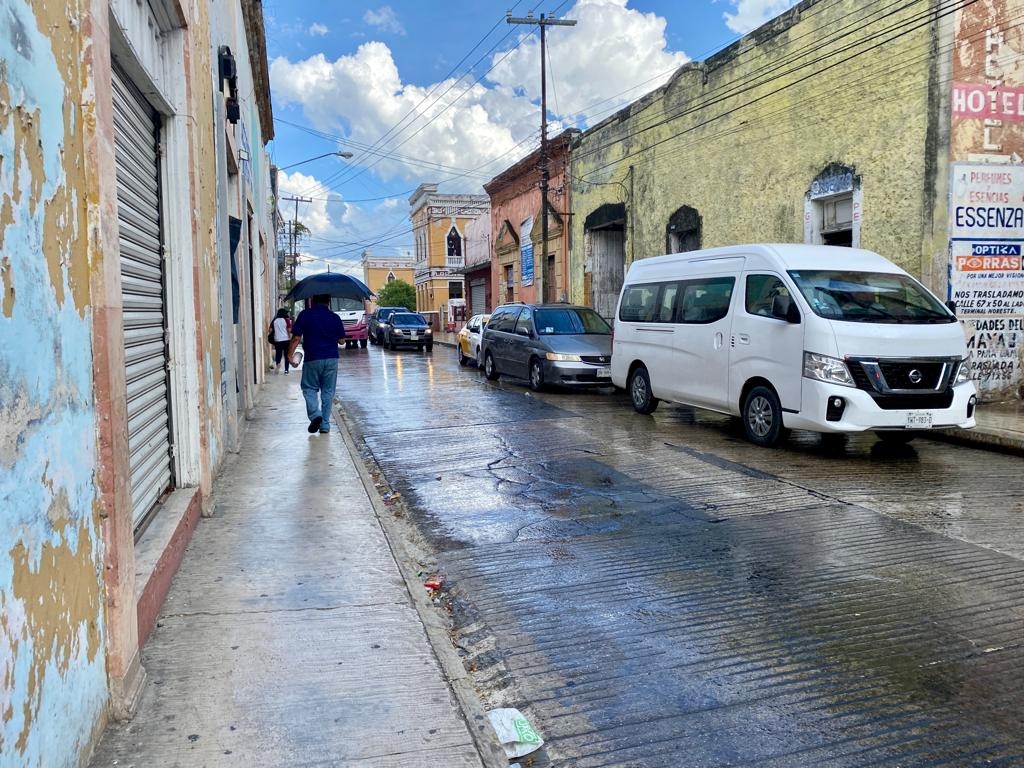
[
  {"x": 869, "y": 297},
  {"x": 570, "y": 320},
  {"x": 339, "y": 304}
]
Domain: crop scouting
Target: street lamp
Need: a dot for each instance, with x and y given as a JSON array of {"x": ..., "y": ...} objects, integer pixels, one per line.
[{"x": 339, "y": 153}]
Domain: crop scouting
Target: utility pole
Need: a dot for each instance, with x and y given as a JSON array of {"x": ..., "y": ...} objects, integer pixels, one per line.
[
  {"x": 543, "y": 23},
  {"x": 293, "y": 240}
]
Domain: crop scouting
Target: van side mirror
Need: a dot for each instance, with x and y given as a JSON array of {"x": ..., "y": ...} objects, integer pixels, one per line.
[
  {"x": 524, "y": 332},
  {"x": 951, "y": 306},
  {"x": 784, "y": 308}
]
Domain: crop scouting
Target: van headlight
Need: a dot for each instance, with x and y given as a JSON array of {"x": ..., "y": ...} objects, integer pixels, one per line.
[
  {"x": 825, "y": 368},
  {"x": 558, "y": 357},
  {"x": 963, "y": 372}
]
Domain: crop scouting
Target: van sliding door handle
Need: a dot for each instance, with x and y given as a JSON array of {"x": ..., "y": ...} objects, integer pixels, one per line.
[{"x": 743, "y": 338}]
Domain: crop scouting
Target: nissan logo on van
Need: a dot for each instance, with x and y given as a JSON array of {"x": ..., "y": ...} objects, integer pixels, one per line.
[{"x": 915, "y": 376}]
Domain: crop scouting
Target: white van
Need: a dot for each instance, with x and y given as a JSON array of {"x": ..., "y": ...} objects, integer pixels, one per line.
[{"x": 792, "y": 336}]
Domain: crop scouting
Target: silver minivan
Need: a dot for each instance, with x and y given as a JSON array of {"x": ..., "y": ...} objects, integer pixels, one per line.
[{"x": 548, "y": 344}]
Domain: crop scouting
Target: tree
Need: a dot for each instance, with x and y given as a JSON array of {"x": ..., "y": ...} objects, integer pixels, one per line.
[{"x": 397, "y": 293}]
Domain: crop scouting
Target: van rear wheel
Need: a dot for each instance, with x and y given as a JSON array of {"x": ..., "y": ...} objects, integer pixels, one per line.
[
  {"x": 762, "y": 417},
  {"x": 640, "y": 391}
]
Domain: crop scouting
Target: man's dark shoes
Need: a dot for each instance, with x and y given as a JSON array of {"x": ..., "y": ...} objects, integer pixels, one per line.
[{"x": 314, "y": 424}]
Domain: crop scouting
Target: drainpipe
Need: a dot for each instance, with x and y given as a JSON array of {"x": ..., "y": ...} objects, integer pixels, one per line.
[{"x": 630, "y": 215}]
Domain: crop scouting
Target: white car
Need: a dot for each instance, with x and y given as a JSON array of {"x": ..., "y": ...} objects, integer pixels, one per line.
[{"x": 469, "y": 340}]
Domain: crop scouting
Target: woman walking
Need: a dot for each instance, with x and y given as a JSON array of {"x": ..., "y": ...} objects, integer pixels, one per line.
[{"x": 281, "y": 328}]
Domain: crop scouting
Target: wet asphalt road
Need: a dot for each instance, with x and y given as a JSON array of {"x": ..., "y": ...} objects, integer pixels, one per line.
[{"x": 654, "y": 591}]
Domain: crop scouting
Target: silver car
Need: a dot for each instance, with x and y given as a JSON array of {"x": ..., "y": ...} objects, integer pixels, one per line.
[{"x": 548, "y": 344}]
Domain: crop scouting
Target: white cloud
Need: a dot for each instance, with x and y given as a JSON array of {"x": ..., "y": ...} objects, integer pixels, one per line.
[
  {"x": 611, "y": 57},
  {"x": 362, "y": 96},
  {"x": 317, "y": 29},
  {"x": 751, "y": 14},
  {"x": 386, "y": 19}
]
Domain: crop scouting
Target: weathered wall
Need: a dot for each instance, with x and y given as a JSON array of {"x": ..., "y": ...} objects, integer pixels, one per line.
[
  {"x": 53, "y": 686},
  {"x": 741, "y": 137},
  {"x": 987, "y": 184}
]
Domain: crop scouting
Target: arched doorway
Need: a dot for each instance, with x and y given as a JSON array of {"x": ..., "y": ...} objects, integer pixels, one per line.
[{"x": 605, "y": 266}]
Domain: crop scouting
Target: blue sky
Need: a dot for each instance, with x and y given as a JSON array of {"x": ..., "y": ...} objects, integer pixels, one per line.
[{"x": 449, "y": 93}]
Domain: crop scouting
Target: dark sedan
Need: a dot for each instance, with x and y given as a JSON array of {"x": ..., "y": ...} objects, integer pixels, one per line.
[{"x": 409, "y": 328}]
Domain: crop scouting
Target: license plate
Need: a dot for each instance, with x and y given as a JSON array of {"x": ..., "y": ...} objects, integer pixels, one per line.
[
  {"x": 919, "y": 420},
  {"x": 412, "y": 336},
  {"x": 604, "y": 373}
]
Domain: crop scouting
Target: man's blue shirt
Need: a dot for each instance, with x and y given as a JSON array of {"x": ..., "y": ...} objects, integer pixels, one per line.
[{"x": 320, "y": 330}]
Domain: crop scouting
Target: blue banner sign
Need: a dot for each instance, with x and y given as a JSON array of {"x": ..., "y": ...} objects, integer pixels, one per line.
[{"x": 995, "y": 249}]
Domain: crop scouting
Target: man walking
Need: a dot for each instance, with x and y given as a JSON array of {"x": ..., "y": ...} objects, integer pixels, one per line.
[{"x": 320, "y": 331}]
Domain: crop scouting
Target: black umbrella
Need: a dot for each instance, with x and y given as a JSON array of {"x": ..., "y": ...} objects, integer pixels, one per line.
[{"x": 331, "y": 284}]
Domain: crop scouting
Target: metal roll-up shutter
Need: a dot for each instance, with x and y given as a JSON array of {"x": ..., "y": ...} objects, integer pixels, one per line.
[
  {"x": 478, "y": 296},
  {"x": 136, "y": 127}
]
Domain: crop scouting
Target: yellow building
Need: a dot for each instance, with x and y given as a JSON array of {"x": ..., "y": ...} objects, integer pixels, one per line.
[
  {"x": 439, "y": 224},
  {"x": 822, "y": 126},
  {"x": 378, "y": 271}
]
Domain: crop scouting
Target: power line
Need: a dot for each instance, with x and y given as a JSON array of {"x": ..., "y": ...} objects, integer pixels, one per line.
[{"x": 754, "y": 100}]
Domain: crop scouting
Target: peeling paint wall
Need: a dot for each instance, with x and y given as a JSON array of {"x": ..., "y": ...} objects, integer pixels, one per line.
[
  {"x": 742, "y": 136},
  {"x": 53, "y": 686}
]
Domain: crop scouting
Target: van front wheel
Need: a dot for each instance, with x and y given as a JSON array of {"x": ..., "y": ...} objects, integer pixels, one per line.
[
  {"x": 640, "y": 392},
  {"x": 762, "y": 418},
  {"x": 490, "y": 371},
  {"x": 536, "y": 375}
]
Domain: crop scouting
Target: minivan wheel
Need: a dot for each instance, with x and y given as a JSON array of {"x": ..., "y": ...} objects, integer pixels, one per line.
[
  {"x": 362, "y": 343},
  {"x": 762, "y": 417},
  {"x": 536, "y": 375},
  {"x": 640, "y": 391},
  {"x": 490, "y": 371}
]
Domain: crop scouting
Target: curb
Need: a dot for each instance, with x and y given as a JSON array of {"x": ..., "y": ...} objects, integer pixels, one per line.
[{"x": 492, "y": 755}]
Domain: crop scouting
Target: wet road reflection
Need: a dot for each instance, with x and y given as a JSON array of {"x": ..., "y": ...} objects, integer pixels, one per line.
[{"x": 654, "y": 591}]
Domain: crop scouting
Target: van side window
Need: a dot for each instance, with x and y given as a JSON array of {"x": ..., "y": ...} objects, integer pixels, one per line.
[
  {"x": 638, "y": 304},
  {"x": 504, "y": 319},
  {"x": 667, "y": 303},
  {"x": 525, "y": 322},
  {"x": 706, "y": 300},
  {"x": 761, "y": 289}
]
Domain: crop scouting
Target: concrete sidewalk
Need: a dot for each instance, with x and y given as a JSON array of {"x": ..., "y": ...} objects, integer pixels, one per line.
[{"x": 292, "y": 635}]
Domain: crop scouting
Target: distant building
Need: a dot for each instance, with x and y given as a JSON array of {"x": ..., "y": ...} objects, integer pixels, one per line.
[
  {"x": 378, "y": 271},
  {"x": 440, "y": 223},
  {"x": 525, "y": 267}
]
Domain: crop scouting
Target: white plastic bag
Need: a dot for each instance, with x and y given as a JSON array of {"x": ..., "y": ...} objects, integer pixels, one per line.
[{"x": 514, "y": 731}]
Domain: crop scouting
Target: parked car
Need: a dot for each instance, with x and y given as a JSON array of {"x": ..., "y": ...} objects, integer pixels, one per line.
[
  {"x": 549, "y": 344},
  {"x": 469, "y": 340},
  {"x": 812, "y": 337},
  {"x": 408, "y": 328},
  {"x": 353, "y": 315},
  {"x": 377, "y": 323}
]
